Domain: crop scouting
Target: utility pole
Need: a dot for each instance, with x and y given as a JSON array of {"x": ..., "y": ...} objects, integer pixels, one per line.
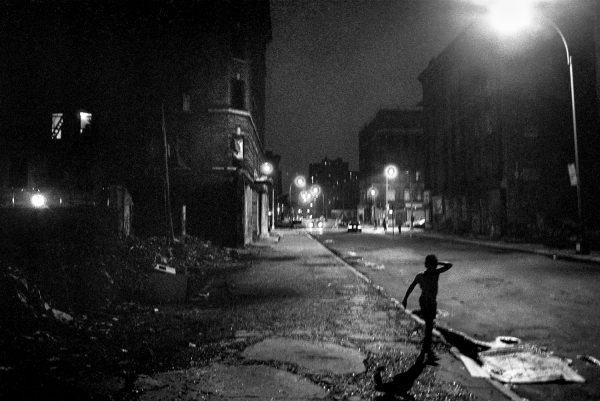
[{"x": 169, "y": 218}]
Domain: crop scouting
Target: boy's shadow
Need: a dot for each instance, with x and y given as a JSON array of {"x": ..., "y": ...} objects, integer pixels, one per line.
[{"x": 401, "y": 383}]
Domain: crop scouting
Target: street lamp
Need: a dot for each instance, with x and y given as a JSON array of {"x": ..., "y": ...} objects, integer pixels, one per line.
[
  {"x": 509, "y": 16},
  {"x": 315, "y": 190},
  {"x": 390, "y": 171},
  {"x": 305, "y": 196},
  {"x": 300, "y": 182},
  {"x": 267, "y": 169},
  {"x": 372, "y": 192}
]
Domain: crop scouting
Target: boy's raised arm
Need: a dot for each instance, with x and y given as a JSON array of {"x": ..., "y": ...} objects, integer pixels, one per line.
[{"x": 445, "y": 266}]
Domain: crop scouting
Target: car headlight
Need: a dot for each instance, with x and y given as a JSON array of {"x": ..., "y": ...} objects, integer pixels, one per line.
[
  {"x": 310, "y": 225},
  {"x": 320, "y": 224},
  {"x": 359, "y": 227},
  {"x": 38, "y": 200}
]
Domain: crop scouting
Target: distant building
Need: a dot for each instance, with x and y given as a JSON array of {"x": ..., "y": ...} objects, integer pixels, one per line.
[
  {"x": 89, "y": 89},
  {"x": 394, "y": 136},
  {"x": 497, "y": 118},
  {"x": 339, "y": 186}
]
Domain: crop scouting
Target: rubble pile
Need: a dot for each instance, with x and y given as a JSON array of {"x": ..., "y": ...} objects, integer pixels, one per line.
[
  {"x": 76, "y": 278},
  {"x": 70, "y": 311}
]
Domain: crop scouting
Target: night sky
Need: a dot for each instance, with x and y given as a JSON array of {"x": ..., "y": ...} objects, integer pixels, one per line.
[{"x": 332, "y": 64}]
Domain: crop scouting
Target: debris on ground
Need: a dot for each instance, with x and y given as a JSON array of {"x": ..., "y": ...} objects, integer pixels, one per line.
[
  {"x": 522, "y": 364},
  {"x": 589, "y": 359}
]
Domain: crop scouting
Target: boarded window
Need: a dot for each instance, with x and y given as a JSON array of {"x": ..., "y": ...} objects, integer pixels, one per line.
[
  {"x": 57, "y": 124},
  {"x": 186, "y": 102},
  {"x": 85, "y": 121}
]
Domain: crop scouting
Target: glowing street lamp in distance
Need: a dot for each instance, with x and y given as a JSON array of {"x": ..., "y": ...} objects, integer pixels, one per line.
[
  {"x": 266, "y": 168},
  {"x": 300, "y": 181},
  {"x": 305, "y": 196},
  {"x": 391, "y": 171},
  {"x": 38, "y": 200},
  {"x": 315, "y": 190}
]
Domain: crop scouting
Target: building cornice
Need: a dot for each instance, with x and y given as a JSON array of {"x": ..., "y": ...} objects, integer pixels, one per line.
[{"x": 241, "y": 113}]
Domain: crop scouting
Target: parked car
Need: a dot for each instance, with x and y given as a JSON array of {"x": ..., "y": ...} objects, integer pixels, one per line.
[
  {"x": 354, "y": 227},
  {"x": 420, "y": 223}
]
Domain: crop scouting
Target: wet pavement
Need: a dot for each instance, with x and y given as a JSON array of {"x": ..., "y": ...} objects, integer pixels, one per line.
[
  {"x": 329, "y": 348},
  {"x": 494, "y": 290}
]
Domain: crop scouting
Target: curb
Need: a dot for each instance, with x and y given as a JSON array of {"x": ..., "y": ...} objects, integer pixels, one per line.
[
  {"x": 549, "y": 253},
  {"x": 453, "y": 350}
]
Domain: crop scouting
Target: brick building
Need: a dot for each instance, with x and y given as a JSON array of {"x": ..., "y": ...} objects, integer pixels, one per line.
[
  {"x": 393, "y": 136},
  {"x": 92, "y": 87},
  {"x": 497, "y": 118}
]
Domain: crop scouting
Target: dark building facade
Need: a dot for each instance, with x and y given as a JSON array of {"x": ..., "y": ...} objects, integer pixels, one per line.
[
  {"x": 393, "y": 136},
  {"x": 497, "y": 118},
  {"x": 95, "y": 93},
  {"x": 339, "y": 187}
]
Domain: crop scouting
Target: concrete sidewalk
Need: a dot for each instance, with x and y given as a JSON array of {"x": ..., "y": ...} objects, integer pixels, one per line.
[
  {"x": 305, "y": 325},
  {"x": 557, "y": 253}
]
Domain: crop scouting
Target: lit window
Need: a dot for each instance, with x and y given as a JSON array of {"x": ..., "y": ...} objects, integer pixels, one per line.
[
  {"x": 186, "y": 102},
  {"x": 57, "y": 123},
  {"x": 85, "y": 119}
]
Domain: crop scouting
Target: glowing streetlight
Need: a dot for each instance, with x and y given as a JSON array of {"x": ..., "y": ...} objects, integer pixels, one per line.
[
  {"x": 315, "y": 191},
  {"x": 299, "y": 182},
  {"x": 390, "y": 171},
  {"x": 508, "y": 16},
  {"x": 372, "y": 192},
  {"x": 267, "y": 169},
  {"x": 305, "y": 196},
  {"x": 38, "y": 201}
]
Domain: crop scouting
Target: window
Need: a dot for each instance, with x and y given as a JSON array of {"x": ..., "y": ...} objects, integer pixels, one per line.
[
  {"x": 238, "y": 94},
  {"x": 185, "y": 105},
  {"x": 85, "y": 120},
  {"x": 57, "y": 123}
]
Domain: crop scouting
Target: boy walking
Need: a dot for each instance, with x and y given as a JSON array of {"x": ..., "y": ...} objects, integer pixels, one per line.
[{"x": 428, "y": 281}]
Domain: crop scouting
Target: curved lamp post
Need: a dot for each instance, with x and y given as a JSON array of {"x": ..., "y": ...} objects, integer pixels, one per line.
[
  {"x": 299, "y": 182},
  {"x": 514, "y": 15}
]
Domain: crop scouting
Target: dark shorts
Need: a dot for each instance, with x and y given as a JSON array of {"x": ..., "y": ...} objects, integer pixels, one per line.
[{"x": 428, "y": 309}]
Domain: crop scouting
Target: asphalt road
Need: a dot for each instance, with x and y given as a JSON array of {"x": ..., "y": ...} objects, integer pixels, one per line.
[{"x": 491, "y": 292}]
